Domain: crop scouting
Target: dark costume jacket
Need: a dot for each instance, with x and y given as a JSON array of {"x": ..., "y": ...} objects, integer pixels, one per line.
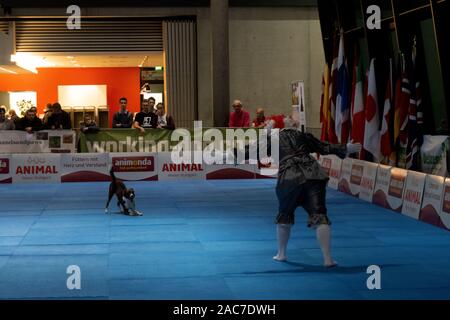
[{"x": 295, "y": 155}]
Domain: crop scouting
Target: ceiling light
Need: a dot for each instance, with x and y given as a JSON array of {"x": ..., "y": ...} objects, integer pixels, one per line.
[{"x": 29, "y": 62}]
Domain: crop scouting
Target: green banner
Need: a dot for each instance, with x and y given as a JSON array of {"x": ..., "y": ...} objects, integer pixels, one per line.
[
  {"x": 153, "y": 140},
  {"x": 124, "y": 140}
]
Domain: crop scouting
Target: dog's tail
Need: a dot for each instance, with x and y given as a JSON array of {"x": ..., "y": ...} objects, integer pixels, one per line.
[{"x": 111, "y": 173}]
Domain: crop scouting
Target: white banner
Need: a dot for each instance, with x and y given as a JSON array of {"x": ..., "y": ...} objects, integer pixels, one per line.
[
  {"x": 134, "y": 166},
  {"x": 396, "y": 188},
  {"x": 412, "y": 199},
  {"x": 169, "y": 171},
  {"x": 47, "y": 141},
  {"x": 332, "y": 166},
  {"x": 368, "y": 181},
  {"x": 36, "y": 168},
  {"x": 433, "y": 154},
  {"x": 432, "y": 200},
  {"x": 85, "y": 167},
  {"x": 445, "y": 212},
  {"x": 344, "y": 179},
  {"x": 382, "y": 185},
  {"x": 5, "y": 168}
]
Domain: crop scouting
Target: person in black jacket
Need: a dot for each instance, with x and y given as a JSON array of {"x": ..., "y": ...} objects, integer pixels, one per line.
[
  {"x": 29, "y": 122},
  {"x": 302, "y": 182},
  {"x": 59, "y": 119},
  {"x": 122, "y": 118}
]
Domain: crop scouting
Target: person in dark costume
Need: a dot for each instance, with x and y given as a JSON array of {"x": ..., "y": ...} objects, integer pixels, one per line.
[{"x": 302, "y": 182}]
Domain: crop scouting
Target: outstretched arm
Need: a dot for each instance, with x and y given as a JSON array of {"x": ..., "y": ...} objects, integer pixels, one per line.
[{"x": 324, "y": 148}]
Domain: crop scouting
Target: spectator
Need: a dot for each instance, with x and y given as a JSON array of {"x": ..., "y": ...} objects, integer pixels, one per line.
[
  {"x": 260, "y": 121},
  {"x": 13, "y": 115},
  {"x": 88, "y": 125},
  {"x": 59, "y": 119},
  {"x": 239, "y": 118},
  {"x": 29, "y": 122},
  {"x": 165, "y": 121},
  {"x": 5, "y": 124},
  {"x": 146, "y": 118},
  {"x": 122, "y": 118},
  {"x": 47, "y": 114},
  {"x": 151, "y": 104}
]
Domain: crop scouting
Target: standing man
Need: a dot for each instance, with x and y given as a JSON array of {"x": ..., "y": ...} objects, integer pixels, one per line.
[
  {"x": 239, "y": 118},
  {"x": 302, "y": 182},
  {"x": 146, "y": 118},
  {"x": 122, "y": 118},
  {"x": 59, "y": 119}
]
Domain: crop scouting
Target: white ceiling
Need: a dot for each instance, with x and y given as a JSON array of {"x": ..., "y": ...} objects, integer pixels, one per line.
[
  {"x": 89, "y": 60},
  {"x": 85, "y": 60}
]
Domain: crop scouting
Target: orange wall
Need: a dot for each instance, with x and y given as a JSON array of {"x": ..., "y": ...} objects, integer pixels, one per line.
[{"x": 120, "y": 82}]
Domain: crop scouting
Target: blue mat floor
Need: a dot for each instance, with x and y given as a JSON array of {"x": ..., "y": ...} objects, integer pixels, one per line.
[{"x": 207, "y": 240}]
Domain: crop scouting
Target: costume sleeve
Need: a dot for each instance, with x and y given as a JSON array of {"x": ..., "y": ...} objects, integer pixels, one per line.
[{"x": 324, "y": 148}]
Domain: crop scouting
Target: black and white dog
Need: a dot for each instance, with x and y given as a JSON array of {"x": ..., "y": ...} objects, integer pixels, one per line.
[{"x": 125, "y": 197}]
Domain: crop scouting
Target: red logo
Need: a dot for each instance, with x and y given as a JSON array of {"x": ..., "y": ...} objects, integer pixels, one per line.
[
  {"x": 4, "y": 166},
  {"x": 396, "y": 185},
  {"x": 357, "y": 172},
  {"x": 133, "y": 164}
]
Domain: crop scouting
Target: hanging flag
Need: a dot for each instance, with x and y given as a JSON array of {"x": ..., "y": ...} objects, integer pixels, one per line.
[
  {"x": 415, "y": 134},
  {"x": 358, "y": 118},
  {"x": 386, "y": 146},
  {"x": 324, "y": 103},
  {"x": 402, "y": 95},
  {"x": 332, "y": 138},
  {"x": 371, "y": 131},
  {"x": 342, "y": 99}
]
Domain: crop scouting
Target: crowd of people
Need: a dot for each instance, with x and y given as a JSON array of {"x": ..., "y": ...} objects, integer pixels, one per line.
[{"x": 55, "y": 118}]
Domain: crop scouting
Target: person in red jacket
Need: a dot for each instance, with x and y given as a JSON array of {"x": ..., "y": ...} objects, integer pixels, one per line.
[{"x": 239, "y": 118}]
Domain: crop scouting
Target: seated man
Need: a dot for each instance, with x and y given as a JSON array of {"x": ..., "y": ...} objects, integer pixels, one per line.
[
  {"x": 59, "y": 119},
  {"x": 29, "y": 122},
  {"x": 88, "y": 125},
  {"x": 146, "y": 118},
  {"x": 239, "y": 118},
  {"x": 165, "y": 121},
  {"x": 5, "y": 124},
  {"x": 260, "y": 121},
  {"x": 122, "y": 118}
]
